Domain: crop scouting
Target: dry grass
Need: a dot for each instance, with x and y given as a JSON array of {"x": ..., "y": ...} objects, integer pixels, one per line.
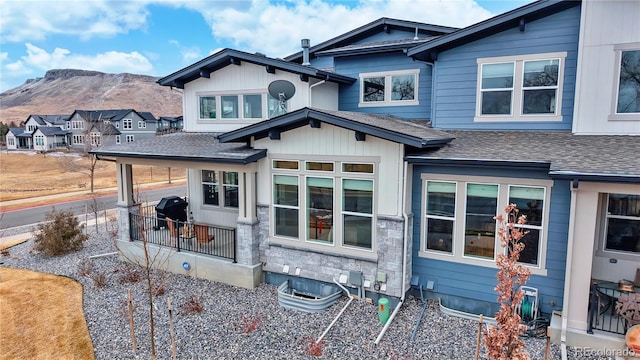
[
  {"x": 31, "y": 327},
  {"x": 26, "y": 175}
]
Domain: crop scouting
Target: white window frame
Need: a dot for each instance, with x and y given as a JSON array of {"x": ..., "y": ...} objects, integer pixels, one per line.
[
  {"x": 337, "y": 245},
  {"x": 221, "y": 189},
  {"x": 142, "y": 124},
  {"x": 117, "y": 124},
  {"x": 517, "y": 90},
  {"x": 78, "y": 139},
  {"x": 603, "y": 217},
  {"x": 130, "y": 138},
  {"x": 127, "y": 124},
  {"x": 11, "y": 141},
  {"x": 38, "y": 140},
  {"x": 95, "y": 138},
  {"x": 241, "y": 106},
  {"x": 388, "y": 75},
  {"x": 504, "y": 184},
  {"x": 117, "y": 139},
  {"x": 77, "y": 124},
  {"x": 613, "y": 114}
]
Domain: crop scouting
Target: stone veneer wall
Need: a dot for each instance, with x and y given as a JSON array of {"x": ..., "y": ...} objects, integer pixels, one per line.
[{"x": 326, "y": 267}]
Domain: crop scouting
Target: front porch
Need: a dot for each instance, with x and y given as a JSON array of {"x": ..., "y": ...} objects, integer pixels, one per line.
[{"x": 182, "y": 236}]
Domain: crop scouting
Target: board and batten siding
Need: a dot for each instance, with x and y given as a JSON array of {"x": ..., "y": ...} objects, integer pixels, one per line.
[
  {"x": 330, "y": 143},
  {"x": 355, "y": 65},
  {"x": 605, "y": 25},
  {"x": 456, "y": 72},
  {"x": 478, "y": 282},
  {"x": 248, "y": 79}
]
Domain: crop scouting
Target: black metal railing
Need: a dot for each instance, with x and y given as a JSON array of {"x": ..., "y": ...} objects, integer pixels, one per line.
[
  {"x": 602, "y": 313},
  {"x": 183, "y": 236}
]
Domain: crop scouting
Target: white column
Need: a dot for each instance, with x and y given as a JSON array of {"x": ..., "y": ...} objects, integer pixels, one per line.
[
  {"x": 124, "y": 174},
  {"x": 247, "y": 196}
]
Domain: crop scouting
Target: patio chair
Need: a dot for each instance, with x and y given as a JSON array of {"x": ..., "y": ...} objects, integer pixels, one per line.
[{"x": 628, "y": 306}]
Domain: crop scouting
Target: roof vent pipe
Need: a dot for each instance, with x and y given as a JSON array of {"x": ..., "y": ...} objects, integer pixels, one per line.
[
  {"x": 416, "y": 35},
  {"x": 305, "y": 52}
]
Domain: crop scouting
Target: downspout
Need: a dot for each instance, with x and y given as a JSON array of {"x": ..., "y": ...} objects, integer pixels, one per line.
[
  {"x": 311, "y": 87},
  {"x": 404, "y": 253},
  {"x": 567, "y": 281},
  {"x": 339, "y": 314}
]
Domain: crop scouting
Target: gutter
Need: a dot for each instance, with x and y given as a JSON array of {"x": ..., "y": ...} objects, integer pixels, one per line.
[
  {"x": 404, "y": 254},
  {"x": 567, "y": 281}
]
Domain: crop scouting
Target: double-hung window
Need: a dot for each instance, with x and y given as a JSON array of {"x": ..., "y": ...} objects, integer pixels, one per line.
[
  {"x": 392, "y": 88},
  {"x": 320, "y": 204},
  {"x": 522, "y": 88},
  {"x": 127, "y": 124},
  {"x": 216, "y": 193},
  {"x": 130, "y": 138},
  {"x": 626, "y": 100},
  {"x": 39, "y": 140},
  {"x": 458, "y": 218},
  {"x": 621, "y": 223}
]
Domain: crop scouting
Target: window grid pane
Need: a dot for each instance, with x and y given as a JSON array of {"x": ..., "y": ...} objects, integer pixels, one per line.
[
  {"x": 207, "y": 107},
  {"x": 480, "y": 227},
  {"x": 252, "y": 106},
  {"x": 373, "y": 89},
  {"x": 628, "y": 84},
  {"x": 623, "y": 223},
  {"x": 440, "y": 215},
  {"x": 320, "y": 209},
  {"x": 229, "y": 107},
  {"x": 403, "y": 87}
]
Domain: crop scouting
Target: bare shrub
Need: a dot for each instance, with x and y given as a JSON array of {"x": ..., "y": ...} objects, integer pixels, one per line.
[
  {"x": 99, "y": 279},
  {"x": 85, "y": 267},
  {"x": 193, "y": 305},
  {"x": 129, "y": 275},
  {"x": 5, "y": 252},
  {"x": 60, "y": 234},
  {"x": 503, "y": 340}
]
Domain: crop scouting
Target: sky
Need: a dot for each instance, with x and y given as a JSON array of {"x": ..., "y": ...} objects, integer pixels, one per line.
[{"x": 160, "y": 37}]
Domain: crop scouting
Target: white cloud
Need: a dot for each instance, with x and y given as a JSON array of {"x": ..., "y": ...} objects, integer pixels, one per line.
[
  {"x": 276, "y": 29},
  {"x": 36, "y": 20},
  {"x": 189, "y": 53}
]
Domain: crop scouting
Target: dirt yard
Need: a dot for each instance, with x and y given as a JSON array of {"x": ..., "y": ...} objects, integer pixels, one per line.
[{"x": 26, "y": 174}]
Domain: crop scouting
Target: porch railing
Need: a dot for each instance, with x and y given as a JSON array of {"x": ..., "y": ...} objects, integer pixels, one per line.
[
  {"x": 183, "y": 236},
  {"x": 602, "y": 313}
]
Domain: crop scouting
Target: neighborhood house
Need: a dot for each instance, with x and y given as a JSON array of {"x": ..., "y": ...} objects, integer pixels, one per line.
[{"x": 377, "y": 160}]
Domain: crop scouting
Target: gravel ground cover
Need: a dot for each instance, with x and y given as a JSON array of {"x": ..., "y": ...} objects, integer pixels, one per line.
[{"x": 236, "y": 323}]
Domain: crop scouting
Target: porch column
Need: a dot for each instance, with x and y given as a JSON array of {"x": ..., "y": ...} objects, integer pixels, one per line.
[
  {"x": 247, "y": 196},
  {"x": 248, "y": 239},
  {"x": 124, "y": 175}
]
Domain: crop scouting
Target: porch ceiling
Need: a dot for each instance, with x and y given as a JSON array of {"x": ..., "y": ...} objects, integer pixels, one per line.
[{"x": 202, "y": 147}]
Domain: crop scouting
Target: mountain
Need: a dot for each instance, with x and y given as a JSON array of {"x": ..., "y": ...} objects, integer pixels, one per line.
[{"x": 62, "y": 91}]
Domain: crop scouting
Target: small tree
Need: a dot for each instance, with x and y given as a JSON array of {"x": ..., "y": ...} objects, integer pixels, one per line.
[
  {"x": 503, "y": 340},
  {"x": 60, "y": 234}
]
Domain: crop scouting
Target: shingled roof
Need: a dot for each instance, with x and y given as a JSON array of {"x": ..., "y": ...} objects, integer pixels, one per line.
[
  {"x": 566, "y": 155},
  {"x": 413, "y": 133},
  {"x": 183, "y": 146}
]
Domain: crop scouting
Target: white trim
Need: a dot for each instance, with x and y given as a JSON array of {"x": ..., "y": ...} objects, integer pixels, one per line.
[
  {"x": 240, "y": 96},
  {"x": 387, "y": 88},
  {"x": 504, "y": 184},
  {"x": 517, "y": 88},
  {"x": 601, "y": 234}
]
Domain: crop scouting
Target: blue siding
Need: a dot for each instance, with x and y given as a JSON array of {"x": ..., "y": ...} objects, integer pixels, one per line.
[
  {"x": 477, "y": 282},
  {"x": 324, "y": 62},
  {"x": 456, "y": 71},
  {"x": 355, "y": 65}
]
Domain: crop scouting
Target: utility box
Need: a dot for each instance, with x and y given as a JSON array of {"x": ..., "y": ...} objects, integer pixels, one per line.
[{"x": 383, "y": 310}]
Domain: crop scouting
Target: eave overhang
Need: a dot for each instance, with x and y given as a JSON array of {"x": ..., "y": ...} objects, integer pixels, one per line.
[
  {"x": 512, "y": 164},
  {"x": 111, "y": 155},
  {"x": 515, "y": 18},
  {"x": 307, "y": 116},
  {"x": 226, "y": 57},
  {"x": 595, "y": 177}
]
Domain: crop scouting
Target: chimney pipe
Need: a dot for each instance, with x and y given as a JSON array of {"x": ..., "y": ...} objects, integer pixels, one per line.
[{"x": 305, "y": 52}]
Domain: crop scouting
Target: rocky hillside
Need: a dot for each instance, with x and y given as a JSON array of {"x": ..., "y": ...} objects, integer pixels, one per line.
[{"x": 65, "y": 90}]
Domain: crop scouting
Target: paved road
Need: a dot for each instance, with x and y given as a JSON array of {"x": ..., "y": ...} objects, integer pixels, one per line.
[{"x": 36, "y": 214}]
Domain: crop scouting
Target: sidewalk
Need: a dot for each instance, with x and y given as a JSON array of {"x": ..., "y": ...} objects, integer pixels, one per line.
[{"x": 80, "y": 194}]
